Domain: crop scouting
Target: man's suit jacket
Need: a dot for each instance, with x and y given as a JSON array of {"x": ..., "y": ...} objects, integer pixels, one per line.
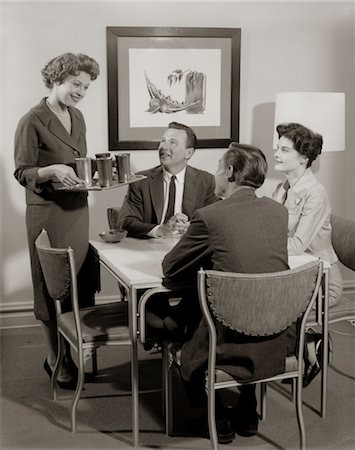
[
  {"x": 143, "y": 206},
  {"x": 242, "y": 233}
]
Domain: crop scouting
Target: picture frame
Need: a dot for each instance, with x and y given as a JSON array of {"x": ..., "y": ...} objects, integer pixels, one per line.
[{"x": 161, "y": 75}]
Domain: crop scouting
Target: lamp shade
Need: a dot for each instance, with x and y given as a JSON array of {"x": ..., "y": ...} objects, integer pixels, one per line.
[{"x": 322, "y": 112}]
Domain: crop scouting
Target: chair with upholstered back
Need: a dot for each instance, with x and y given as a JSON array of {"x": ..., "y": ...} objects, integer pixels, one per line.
[
  {"x": 255, "y": 305},
  {"x": 343, "y": 240},
  {"x": 84, "y": 329},
  {"x": 114, "y": 222},
  {"x": 113, "y": 217}
]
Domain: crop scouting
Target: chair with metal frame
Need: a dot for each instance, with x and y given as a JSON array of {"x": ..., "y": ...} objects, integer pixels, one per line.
[
  {"x": 343, "y": 241},
  {"x": 255, "y": 305},
  {"x": 84, "y": 329},
  {"x": 113, "y": 217}
]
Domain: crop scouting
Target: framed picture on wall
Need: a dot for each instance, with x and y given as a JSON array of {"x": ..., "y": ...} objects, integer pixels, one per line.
[{"x": 161, "y": 75}]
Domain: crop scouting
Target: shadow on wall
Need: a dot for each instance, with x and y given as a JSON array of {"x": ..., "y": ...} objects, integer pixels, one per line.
[
  {"x": 15, "y": 266},
  {"x": 263, "y": 132}
]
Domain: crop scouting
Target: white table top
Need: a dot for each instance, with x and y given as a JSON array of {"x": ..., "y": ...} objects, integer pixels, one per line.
[{"x": 137, "y": 262}]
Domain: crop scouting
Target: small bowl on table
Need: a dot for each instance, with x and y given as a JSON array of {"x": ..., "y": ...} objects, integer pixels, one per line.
[{"x": 113, "y": 235}]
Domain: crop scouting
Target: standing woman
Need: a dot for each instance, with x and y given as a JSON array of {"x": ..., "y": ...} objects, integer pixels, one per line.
[
  {"x": 309, "y": 228},
  {"x": 47, "y": 141}
]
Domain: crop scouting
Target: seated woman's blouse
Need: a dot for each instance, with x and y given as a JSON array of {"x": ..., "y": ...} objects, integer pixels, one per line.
[{"x": 309, "y": 228}]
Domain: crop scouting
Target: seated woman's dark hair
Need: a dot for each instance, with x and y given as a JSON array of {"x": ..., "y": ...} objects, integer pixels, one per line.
[
  {"x": 68, "y": 64},
  {"x": 305, "y": 141},
  {"x": 191, "y": 139},
  {"x": 249, "y": 164}
]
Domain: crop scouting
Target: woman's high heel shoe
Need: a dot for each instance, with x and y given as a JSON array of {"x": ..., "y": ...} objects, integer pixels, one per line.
[{"x": 71, "y": 385}]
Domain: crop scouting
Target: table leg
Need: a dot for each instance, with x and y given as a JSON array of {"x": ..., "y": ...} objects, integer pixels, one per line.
[
  {"x": 134, "y": 365},
  {"x": 325, "y": 344}
]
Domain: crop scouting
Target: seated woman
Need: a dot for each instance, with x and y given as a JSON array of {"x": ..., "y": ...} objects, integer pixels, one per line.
[{"x": 309, "y": 228}]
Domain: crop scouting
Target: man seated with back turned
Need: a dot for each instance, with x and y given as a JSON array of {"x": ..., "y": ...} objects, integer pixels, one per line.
[
  {"x": 161, "y": 204},
  {"x": 241, "y": 233}
]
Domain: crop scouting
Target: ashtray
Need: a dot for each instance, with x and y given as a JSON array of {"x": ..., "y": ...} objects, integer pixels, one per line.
[{"x": 113, "y": 235}]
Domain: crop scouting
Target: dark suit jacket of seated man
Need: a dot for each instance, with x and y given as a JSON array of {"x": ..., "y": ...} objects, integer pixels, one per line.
[
  {"x": 242, "y": 233},
  {"x": 143, "y": 206}
]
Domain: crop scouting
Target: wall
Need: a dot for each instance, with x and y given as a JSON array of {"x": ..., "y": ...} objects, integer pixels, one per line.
[{"x": 285, "y": 47}]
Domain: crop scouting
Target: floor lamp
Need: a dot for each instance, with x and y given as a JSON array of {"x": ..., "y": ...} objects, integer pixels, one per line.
[{"x": 322, "y": 112}]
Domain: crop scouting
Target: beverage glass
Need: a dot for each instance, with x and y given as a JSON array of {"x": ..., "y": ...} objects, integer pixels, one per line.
[
  {"x": 84, "y": 169},
  {"x": 104, "y": 169},
  {"x": 123, "y": 167}
]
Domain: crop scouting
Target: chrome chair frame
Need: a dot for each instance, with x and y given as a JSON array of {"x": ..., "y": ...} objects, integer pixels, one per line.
[
  {"x": 315, "y": 271},
  {"x": 88, "y": 335},
  {"x": 343, "y": 241}
]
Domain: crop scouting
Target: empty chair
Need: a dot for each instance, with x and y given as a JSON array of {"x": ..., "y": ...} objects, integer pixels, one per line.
[
  {"x": 343, "y": 241},
  {"x": 113, "y": 216},
  {"x": 84, "y": 329},
  {"x": 114, "y": 223},
  {"x": 255, "y": 305}
]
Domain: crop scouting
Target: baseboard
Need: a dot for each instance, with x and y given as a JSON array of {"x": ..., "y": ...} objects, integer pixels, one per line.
[{"x": 20, "y": 314}]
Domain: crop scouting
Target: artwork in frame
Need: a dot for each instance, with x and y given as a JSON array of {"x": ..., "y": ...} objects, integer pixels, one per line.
[{"x": 161, "y": 75}]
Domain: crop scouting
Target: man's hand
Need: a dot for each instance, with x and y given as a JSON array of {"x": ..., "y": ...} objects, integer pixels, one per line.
[{"x": 176, "y": 225}]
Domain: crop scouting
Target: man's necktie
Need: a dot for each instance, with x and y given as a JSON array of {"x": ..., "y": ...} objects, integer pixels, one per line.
[{"x": 171, "y": 201}]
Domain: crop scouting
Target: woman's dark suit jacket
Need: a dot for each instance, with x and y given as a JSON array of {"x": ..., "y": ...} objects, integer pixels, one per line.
[
  {"x": 142, "y": 208},
  {"x": 242, "y": 233},
  {"x": 41, "y": 140}
]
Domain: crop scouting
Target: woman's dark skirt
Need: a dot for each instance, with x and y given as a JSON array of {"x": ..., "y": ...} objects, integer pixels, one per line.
[{"x": 67, "y": 225}]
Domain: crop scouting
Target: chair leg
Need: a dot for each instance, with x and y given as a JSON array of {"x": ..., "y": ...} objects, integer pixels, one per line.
[
  {"x": 78, "y": 390},
  {"x": 163, "y": 377},
  {"x": 58, "y": 365},
  {"x": 135, "y": 393},
  {"x": 168, "y": 392},
  {"x": 294, "y": 390},
  {"x": 263, "y": 387},
  {"x": 211, "y": 402},
  {"x": 94, "y": 362},
  {"x": 299, "y": 412}
]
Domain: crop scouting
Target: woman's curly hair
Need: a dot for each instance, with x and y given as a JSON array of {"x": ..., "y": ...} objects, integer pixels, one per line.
[
  {"x": 68, "y": 64},
  {"x": 305, "y": 141}
]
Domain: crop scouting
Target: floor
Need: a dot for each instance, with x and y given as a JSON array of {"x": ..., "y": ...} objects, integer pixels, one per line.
[{"x": 30, "y": 419}]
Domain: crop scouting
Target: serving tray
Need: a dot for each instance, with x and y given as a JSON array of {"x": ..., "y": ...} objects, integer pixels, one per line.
[{"x": 96, "y": 186}]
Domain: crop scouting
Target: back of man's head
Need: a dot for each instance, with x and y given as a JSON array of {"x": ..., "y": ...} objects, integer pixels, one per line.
[
  {"x": 191, "y": 140},
  {"x": 248, "y": 162}
]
